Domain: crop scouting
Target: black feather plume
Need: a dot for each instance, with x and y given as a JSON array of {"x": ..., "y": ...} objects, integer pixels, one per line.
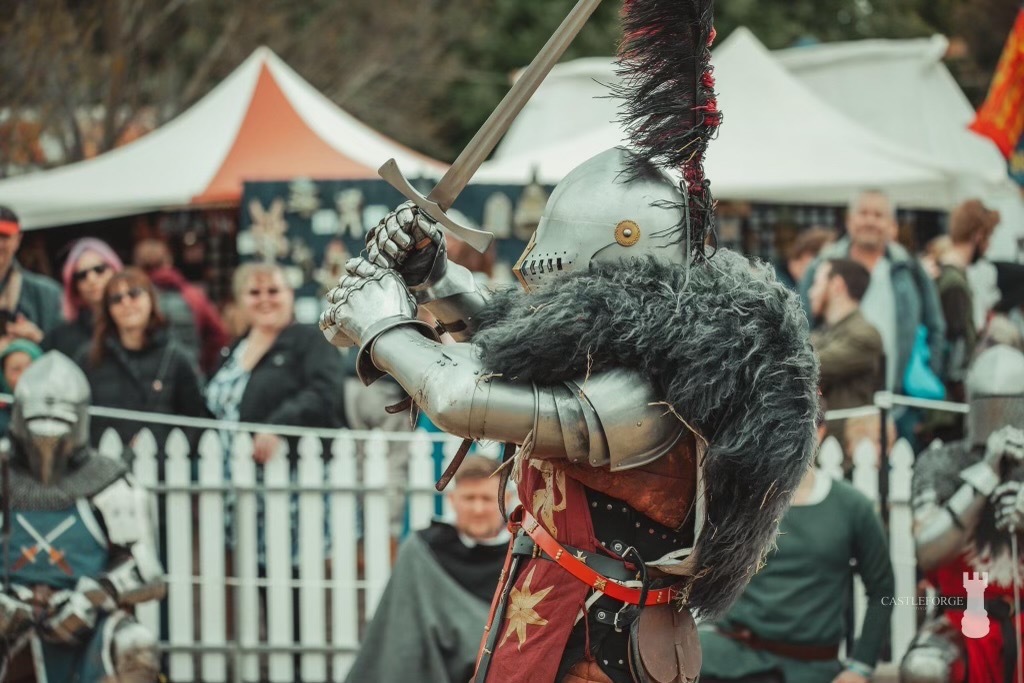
[{"x": 668, "y": 88}]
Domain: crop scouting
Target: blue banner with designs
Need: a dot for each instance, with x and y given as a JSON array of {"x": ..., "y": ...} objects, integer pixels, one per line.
[{"x": 313, "y": 226}]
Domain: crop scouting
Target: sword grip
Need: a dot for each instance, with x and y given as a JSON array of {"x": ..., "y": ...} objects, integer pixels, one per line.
[{"x": 478, "y": 239}]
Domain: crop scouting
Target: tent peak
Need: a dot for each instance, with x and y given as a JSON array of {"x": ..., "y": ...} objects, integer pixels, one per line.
[
  {"x": 263, "y": 54},
  {"x": 931, "y": 49}
]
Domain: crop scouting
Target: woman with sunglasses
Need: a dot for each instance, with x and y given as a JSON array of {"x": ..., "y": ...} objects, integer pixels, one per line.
[
  {"x": 89, "y": 266},
  {"x": 133, "y": 363},
  {"x": 279, "y": 371}
]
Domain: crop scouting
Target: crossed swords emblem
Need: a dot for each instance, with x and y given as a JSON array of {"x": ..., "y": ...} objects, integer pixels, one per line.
[{"x": 44, "y": 543}]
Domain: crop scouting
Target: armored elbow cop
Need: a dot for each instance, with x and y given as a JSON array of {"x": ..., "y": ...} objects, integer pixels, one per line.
[
  {"x": 137, "y": 579},
  {"x": 611, "y": 418}
]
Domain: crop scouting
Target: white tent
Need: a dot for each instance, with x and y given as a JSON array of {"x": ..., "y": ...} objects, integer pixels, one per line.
[
  {"x": 778, "y": 142},
  {"x": 263, "y": 122},
  {"x": 575, "y": 98},
  {"x": 902, "y": 90}
]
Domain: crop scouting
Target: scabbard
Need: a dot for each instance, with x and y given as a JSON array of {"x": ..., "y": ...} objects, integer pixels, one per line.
[{"x": 494, "y": 626}]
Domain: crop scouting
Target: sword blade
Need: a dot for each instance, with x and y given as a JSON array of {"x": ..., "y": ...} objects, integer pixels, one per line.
[
  {"x": 59, "y": 530},
  {"x": 498, "y": 123},
  {"x": 55, "y": 533},
  {"x": 461, "y": 171},
  {"x": 40, "y": 541}
]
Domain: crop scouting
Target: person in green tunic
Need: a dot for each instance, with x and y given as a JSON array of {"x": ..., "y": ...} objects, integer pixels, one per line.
[{"x": 788, "y": 624}]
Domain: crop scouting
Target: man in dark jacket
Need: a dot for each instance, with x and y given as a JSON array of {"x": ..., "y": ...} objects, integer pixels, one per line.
[
  {"x": 194, "y": 319},
  {"x": 900, "y": 297},
  {"x": 29, "y": 303},
  {"x": 849, "y": 348}
]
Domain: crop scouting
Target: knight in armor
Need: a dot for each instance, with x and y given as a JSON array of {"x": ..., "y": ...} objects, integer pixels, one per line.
[
  {"x": 78, "y": 548},
  {"x": 657, "y": 399},
  {"x": 968, "y": 501}
]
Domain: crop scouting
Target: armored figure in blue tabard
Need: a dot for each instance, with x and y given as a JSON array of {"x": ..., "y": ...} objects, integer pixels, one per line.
[{"x": 78, "y": 545}]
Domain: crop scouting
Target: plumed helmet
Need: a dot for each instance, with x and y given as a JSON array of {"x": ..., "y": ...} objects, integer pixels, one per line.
[
  {"x": 608, "y": 208},
  {"x": 995, "y": 392},
  {"x": 50, "y": 419}
]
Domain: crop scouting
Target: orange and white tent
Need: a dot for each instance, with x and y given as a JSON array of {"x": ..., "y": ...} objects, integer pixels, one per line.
[{"x": 263, "y": 122}]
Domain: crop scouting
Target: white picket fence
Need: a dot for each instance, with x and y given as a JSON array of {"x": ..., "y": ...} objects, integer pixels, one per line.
[
  {"x": 293, "y": 622},
  {"x": 264, "y": 645}
]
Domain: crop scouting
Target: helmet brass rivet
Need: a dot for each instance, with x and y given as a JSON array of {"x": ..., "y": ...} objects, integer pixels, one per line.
[{"x": 627, "y": 233}]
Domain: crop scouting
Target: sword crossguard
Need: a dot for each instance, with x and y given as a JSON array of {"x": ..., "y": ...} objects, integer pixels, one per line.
[{"x": 478, "y": 239}]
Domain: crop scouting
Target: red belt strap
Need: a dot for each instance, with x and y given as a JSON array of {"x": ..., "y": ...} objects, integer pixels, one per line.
[{"x": 579, "y": 569}]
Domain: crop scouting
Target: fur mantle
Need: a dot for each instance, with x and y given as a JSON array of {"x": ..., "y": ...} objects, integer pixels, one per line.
[{"x": 726, "y": 345}]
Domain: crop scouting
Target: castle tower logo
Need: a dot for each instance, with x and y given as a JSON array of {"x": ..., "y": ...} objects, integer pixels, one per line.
[{"x": 975, "y": 623}]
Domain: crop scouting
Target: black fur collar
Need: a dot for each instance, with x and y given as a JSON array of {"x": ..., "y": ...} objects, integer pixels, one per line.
[{"x": 725, "y": 344}]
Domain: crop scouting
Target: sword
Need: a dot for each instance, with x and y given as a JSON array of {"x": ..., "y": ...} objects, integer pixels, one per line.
[
  {"x": 496, "y": 622},
  {"x": 5, "y": 473},
  {"x": 43, "y": 543},
  {"x": 5, "y": 491},
  {"x": 1019, "y": 670},
  {"x": 441, "y": 198}
]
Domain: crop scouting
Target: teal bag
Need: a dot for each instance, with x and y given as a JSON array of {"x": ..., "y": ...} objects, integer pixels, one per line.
[{"x": 919, "y": 380}]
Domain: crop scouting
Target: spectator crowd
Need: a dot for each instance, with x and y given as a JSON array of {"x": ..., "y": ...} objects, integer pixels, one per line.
[{"x": 881, "y": 318}]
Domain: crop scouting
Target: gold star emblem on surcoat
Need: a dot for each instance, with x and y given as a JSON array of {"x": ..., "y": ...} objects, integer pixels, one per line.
[{"x": 521, "y": 610}]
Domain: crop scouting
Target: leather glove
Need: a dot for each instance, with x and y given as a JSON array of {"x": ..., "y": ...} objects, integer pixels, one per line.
[
  {"x": 73, "y": 613},
  {"x": 1008, "y": 500},
  {"x": 409, "y": 241},
  {"x": 16, "y": 614},
  {"x": 367, "y": 302}
]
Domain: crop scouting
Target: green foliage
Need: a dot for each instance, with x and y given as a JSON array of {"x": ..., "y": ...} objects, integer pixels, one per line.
[
  {"x": 780, "y": 23},
  {"x": 509, "y": 32},
  {"x": 505, "y": 36},
  {"x": 425, "y": 72}
]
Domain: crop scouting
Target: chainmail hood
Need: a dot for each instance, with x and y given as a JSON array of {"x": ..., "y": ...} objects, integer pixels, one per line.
[{"x": 92, "y": 476}]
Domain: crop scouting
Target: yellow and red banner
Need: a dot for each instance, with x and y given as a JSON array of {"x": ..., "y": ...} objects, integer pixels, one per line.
[{"x": 1001, "y": 117}]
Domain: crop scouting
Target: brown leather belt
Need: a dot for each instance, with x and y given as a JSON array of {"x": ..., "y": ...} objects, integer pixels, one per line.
[
  {"x": 572, "y": 564},
  {"x": 810, "y": 653}
]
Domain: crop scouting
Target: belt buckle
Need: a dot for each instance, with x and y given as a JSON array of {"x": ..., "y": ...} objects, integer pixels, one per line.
[{"x": 619, "y": 628}]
